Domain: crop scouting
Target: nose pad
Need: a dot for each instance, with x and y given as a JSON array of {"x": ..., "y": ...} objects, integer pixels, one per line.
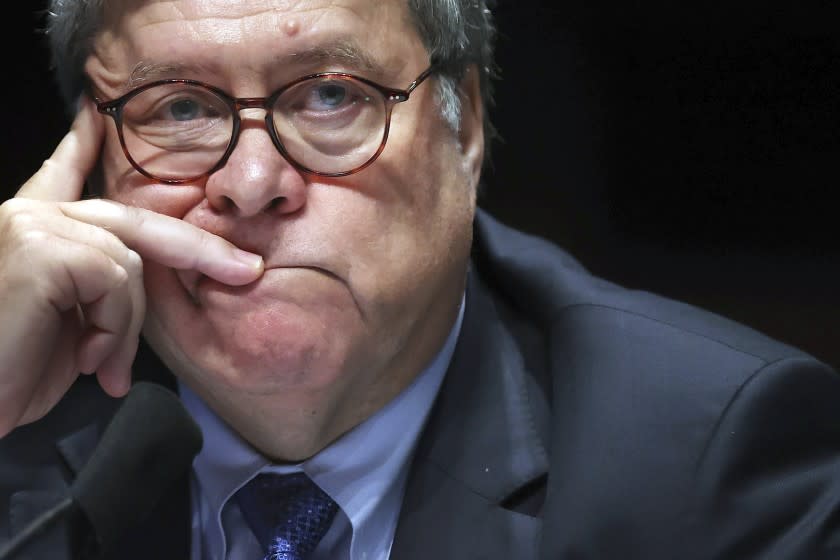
[{"x": 256, "y": 177}]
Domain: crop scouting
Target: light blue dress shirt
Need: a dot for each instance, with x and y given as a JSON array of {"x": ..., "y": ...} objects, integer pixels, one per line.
[{"x": 364, "y": 472}]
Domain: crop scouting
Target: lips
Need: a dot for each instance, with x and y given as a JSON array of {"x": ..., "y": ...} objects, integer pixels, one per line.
[{"x": 193, "y": 280}]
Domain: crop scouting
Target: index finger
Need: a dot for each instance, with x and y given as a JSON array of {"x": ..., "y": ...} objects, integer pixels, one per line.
[
  {"x": 62, "y": 176},
  {"x": 169, "y": 241}
]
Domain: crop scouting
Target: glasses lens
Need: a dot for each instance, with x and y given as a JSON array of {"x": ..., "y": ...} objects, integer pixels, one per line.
[
  {"x": 330, "y": 124},
  {"x": 176, "y": 131}
]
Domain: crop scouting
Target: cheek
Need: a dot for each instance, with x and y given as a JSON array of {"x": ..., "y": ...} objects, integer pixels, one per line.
[
  {"x": 171, "y": 200},
  {"x": 427, "y": 165},
  {"x": 417, "y": 238},
  {"x": 122, "y": 183},
  {"x": 436, "y": 197}
]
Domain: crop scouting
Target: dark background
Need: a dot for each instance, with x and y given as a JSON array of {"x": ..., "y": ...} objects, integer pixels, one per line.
[{"x": 691, "y": 150}]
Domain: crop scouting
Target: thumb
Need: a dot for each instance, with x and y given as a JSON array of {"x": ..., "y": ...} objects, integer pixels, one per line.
[{"x": 62, "y": 176}]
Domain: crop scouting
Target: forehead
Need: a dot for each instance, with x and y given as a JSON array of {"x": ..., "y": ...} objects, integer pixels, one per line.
[
  {"x": 256, "y": 34},
  {"x": 247, "y": 15}
]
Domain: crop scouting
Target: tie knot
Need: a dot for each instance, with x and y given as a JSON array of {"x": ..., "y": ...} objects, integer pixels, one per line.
[{"x": 289, "y": 514}]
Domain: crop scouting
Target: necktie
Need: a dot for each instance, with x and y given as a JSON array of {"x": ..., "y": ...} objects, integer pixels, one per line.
[{"x": 289, "y": 514}]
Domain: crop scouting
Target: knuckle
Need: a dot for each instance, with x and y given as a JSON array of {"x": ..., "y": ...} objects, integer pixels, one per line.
[
  {"x": 47, "y": 164},
  {"x": 15, "y": 214},
  {"x": 21, "y": 220},
  {"x": 135, "y": 216},
  {"x": 51, "y": 168},
  {"x": 31, "y": 240},
  {"x": 46, "y": 167},
  {"x": 12, "y": 207},
  {"x": 121, "y": 276},
  {"x": 134, "y": 264},
  {"x": 20, "y": 225}
]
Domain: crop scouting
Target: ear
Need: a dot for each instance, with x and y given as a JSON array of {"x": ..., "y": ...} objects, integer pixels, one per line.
[{"x": 471, "y": 130}]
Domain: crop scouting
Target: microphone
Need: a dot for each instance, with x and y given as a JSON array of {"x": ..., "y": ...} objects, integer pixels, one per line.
[{"x": 150, "y": 442}]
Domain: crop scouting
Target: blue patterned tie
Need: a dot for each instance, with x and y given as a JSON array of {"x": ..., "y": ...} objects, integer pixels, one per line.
[{"x": 288, "y": 514}]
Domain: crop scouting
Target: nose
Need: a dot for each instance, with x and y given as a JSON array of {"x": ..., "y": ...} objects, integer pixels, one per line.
[{"x": 256, "y": 178}]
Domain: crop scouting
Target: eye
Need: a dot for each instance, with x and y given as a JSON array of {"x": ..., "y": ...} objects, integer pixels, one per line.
[
  {"x": 187, "y": 108},
  {"x": 331, "y": 95},
  {"x": 174, "y": 105},
  {"x": 322, "y": 105},
  {"x": 184, "y": 109},
  {"x": 326, "y": 96}
]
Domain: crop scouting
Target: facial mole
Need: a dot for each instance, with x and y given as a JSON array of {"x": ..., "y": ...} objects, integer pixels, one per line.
[{"x": 291, "y": 27}]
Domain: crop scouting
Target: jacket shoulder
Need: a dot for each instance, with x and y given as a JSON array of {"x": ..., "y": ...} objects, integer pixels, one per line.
[
  {"x": 544, "y": 282},
  {"x": 671, "y": 428}
]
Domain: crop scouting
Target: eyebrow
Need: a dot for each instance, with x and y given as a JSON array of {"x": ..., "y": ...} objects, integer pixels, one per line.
[
  {"x": 149, "y": 71},
  {"x": 343, "y": 52}
]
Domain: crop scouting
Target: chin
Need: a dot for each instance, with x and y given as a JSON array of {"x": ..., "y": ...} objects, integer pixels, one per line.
[{"x": 267, "y": 352}]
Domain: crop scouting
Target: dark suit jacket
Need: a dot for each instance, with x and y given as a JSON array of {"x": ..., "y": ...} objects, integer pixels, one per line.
[{"x": 578, "y": 420}]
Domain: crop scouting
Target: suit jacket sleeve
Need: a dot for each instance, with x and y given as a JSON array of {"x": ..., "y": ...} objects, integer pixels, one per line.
[{"x": 768, "y": 481}]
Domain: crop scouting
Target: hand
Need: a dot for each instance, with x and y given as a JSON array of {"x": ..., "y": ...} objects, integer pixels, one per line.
[{"x": 71, "y": 285}]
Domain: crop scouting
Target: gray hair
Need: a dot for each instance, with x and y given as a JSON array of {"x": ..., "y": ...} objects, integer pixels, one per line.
[{"x": 457, "y": 34}]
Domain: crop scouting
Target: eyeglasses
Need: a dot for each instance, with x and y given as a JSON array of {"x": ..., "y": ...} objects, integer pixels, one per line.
[{"x": 330, "y": 124}]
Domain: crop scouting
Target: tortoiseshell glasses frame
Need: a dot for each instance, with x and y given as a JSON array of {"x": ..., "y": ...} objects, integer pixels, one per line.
[{"x": 390, "y": 97}]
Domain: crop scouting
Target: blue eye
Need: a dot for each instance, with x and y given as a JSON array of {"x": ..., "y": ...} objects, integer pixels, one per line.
[
  {"x": 323, "y": 104},
  {"x": 184, "y": 110},
  {"x": 331, "y": 95}
]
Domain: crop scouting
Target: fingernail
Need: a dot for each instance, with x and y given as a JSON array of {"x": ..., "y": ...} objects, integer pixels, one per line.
[{"x": 250, "y": 259}]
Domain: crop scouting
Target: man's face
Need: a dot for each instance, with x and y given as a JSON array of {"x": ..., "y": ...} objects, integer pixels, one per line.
[{"x": 364, "y": 274}]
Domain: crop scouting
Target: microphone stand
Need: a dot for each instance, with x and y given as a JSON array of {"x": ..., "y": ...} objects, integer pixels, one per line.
[{"x": 38, "y": 526}]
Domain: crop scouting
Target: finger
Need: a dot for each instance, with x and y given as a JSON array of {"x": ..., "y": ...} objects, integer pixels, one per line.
[
  {"x": 63, "y": 175},
  {"x": 106, "y": 321},
  {"x": 84, "y": 275},
  {"x": 170, "y": 241},
  {"x": 32, "y": 319},
  {"x": 114, "y": 374},
  {"x": 22, "y": 357},
  {"x": 60, "y": 372},
  {"x": 99, "y": 349},
  {"x": 112, "y": 331},
  {"x": 108, "y": 347},
  {"x": 42, "y": 290}
]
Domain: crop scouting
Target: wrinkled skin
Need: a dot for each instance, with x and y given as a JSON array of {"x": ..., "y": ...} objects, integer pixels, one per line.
[{"x": 363, "y": 275}]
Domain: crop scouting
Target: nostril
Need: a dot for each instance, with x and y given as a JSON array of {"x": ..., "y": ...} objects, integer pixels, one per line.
[
  {"x": 222, "y": 203},
  {"x": 276, "y": 203}
]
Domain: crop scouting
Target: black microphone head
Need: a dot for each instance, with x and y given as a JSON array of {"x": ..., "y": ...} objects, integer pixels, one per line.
[{"x": 149, "y": 444}]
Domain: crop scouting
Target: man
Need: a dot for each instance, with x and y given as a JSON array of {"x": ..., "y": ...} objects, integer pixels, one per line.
[{"x": 288, "y": 215}]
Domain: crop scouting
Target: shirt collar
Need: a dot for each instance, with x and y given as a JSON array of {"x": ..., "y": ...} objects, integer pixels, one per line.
[{"x": 364, "y": 471}]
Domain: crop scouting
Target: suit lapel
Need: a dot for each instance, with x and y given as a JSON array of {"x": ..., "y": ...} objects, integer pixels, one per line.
[
  {"x": 481, "y": 449},
  {"x": 26, "y": 505},
  {"x": 77, "y": 447}
]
